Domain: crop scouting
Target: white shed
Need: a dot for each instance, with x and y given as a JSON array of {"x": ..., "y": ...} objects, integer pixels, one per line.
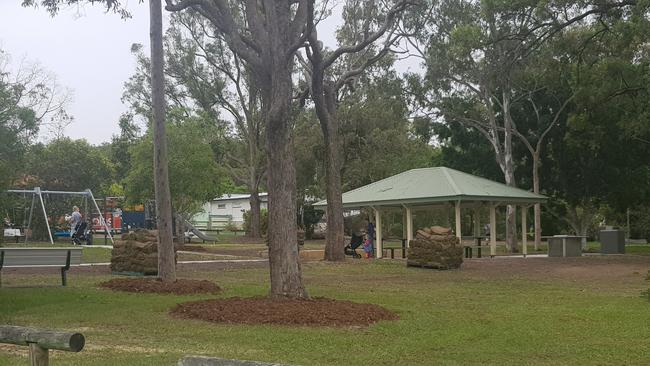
[{"x": 228, "y": 208}]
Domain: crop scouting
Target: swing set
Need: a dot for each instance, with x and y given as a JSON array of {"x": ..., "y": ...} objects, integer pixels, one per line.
[{"x": 37, "y": 194}]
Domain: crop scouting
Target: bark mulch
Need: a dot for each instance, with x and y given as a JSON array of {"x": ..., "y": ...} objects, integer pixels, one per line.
[
  {"x": 264, "y": 310},
  {"x": 156, "y": 286}
]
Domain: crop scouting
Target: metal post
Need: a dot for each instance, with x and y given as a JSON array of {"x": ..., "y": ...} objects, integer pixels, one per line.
[
  {"x": 90, "y": 193},
  {"x": 40, "y": 197},
  {"x": 629, "y": 232}
]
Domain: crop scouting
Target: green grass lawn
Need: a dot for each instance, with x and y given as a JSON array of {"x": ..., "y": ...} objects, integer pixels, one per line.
[{"x": 478, "y": 315}]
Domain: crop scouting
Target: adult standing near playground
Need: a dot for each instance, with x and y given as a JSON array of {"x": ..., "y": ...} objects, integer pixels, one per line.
[
  {"x": 75, "y": 219},
  {"x": 370, "y": 240}
]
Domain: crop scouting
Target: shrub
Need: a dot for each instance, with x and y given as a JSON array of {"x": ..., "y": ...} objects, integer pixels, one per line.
[{"x": 264, "y": 221}]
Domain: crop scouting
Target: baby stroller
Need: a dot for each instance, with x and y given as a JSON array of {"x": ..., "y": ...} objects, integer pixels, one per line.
[
  {"x": 82, "y": 234},
  {"x": 355, "y": 242}
]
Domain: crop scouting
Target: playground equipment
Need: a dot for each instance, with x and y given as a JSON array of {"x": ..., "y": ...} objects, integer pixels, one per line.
[
  {"x": 37, "y": 192},
  {"x": 200, "y": 234}
]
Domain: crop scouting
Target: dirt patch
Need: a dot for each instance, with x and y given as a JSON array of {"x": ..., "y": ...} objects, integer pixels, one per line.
[
  {"x": 245, "y": 251},
  {"x": 264, "y": 310},
  {"x": 194, "y": 248},
  {"x": 156, "y": 286},
  {"x": 597, "y": 269},
  {"x": 243, "y": 240}
]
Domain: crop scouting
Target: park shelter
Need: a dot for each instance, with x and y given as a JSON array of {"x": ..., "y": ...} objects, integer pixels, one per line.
[{"x": 429, "y": 187}]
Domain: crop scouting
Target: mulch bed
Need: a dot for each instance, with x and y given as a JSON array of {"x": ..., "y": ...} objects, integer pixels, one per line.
[
  {"x": 264, "y": 310},
  {"x": 156, "y": 286}
]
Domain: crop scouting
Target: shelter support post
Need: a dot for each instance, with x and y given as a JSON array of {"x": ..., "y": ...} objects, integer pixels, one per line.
[
  {"x": 459, "y": 228},
  {"x": 477, "y": 221},
  {"x": 493, "y": 230},
  {"x": 378, "y": 236},
  {"x": 409, "y": 226},
  {"x": 404, "y": 225},
  {"x": 524, "y": 244}
]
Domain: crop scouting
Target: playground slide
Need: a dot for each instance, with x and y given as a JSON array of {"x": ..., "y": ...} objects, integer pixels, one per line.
[{"x": 200, "y": 234}]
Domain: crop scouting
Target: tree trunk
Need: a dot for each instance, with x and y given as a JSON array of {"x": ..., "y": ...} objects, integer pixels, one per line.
[
  {"x": 255, "y": 215},
  {"x": 166, "y": 263},
  {"x": 509, "y": 172},
  {"x": 180, "y": 230},
  {"x": 580, "y": 218},
  {"x": 253, "y": 178},
  {"x": 538, "y": 207},
  {"x": 286, "y": 276},
  {"x": 284, "y": 260},
  {"x": 334, "y": 247}
]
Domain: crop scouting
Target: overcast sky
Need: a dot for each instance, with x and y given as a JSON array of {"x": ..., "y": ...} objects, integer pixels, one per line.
[{"x": 88, "y": 51}]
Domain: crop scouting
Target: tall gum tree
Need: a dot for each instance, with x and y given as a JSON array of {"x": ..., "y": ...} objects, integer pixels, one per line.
[
  {"x": 166, "y": 254},
  {"x": 366, "y": 26},
  {"x": 266, "y": 37},
  {"x": 239, "y": 97},
  {"x": 474, "y": 50}
]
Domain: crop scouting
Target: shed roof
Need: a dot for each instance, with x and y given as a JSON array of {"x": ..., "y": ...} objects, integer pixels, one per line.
[
  {"x": 433, "y": 185},
  {"x": 239, "y": 196}
]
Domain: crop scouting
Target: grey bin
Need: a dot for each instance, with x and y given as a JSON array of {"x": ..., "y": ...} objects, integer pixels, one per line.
[
  {"x": 612, "y": 242},
  {"x": 565, "y": 246}
]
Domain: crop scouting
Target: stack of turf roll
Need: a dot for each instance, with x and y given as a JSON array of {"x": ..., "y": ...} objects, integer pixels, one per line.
[
  {"x": 435, "y": 247},
  {"x": 136, "y": 253}
]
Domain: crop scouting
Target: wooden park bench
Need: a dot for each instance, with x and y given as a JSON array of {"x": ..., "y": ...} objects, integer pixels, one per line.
[
  {"x": 392, "y": 249},
  {"x": 40, "y": 341},
  {"x": 478, "y": 245},
  {"x": 40, "y": 257}
]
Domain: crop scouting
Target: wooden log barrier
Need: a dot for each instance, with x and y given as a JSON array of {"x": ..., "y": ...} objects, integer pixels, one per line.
[{"x": 40, "y": 341}]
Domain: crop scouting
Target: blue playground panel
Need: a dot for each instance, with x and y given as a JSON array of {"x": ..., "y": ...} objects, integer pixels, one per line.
[{"x": 62, "y": 234}]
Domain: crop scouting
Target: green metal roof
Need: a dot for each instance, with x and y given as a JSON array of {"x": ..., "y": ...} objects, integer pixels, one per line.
[{"x": 432, "y": 185}]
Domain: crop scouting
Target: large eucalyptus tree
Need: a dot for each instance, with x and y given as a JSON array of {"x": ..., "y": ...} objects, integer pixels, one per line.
[
  {"x": 266, "y": 36},
  {"x": 366, "y": 25}
]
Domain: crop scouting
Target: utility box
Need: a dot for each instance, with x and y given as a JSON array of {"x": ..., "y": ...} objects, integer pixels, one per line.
[
  {"x": 612, "y": 242},
  {"x": 565, "y": 246}
]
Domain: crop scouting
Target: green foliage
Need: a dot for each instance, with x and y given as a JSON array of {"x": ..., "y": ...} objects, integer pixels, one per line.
[
  {"x": 18, "y": 123},
  {"x": 310, "y": 217},
  {"x": 53, "y": 6},
  {"x": 264, "y": 221},
  {"x": 194, "y": 175},
  {"x": 376, "y": 138},
  {"x": 68, "y": 165},
  {"x": 596, "y": 155}
]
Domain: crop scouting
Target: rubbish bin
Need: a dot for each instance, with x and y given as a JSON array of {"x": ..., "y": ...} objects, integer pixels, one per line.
[
  {"x": 612, "y": 242},
  {"x": 564, "y": 246}
]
